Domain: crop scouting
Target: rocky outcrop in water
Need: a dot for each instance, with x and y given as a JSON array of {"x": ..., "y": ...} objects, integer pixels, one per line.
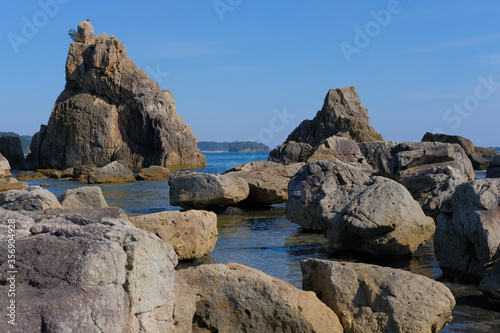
[
  {"x": 479, "y": 156},
  {"x": 342, "y": 114},
  {"x": 89, "y": 197},
  {"x": 110, "y": 110},
  {"x": 114, "y": 172},
  {"x": 7, "y": 182},
  {"x": 467, "y": 240},
  {"x": 377, "y": 218},
  {"x": 236, "y": 298},
  {"x": 12, "y": 150},
  {"x": 154, "y": 172},
  {"x": 376, "y": 299}
]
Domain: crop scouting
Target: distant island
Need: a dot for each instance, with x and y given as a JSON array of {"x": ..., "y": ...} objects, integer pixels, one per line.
[
  {"x": 25, "y": 140},
  {"x": 232, "y": 147}
]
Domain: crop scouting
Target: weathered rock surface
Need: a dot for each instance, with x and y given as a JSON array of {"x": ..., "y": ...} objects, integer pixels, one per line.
[
  {"x": 480, "y": 157},
  {"x": 83, "y": 197},
  {"x": 310, "y": 185},
  {"x": 114, "y": 172},
  {"x": 431, "y": 186},
  {"x": 493, "y": 170},
  {"x": 31, "y": 176},
  {"x": 184, "y": 306},
  {"x": 12, "y": 150},
  {"x": 51, "y": 173},
  {"x": 370, "y": 298},
  {"x": 30, "y": 198},
  {"x": 236, "y": 298},
  {"x": 342, "y": 114},
  {"x": 267, "y": 181},
  {"x": 92, "y": 278},
  {"x": 378, "y": 218},
  {"x": 380, "y": 156},
  {"x": 192, "y": 233},
  {"x": 467, "y": 240},
  {"x": 110, "y": 110},
  {"x": 81, "y": 173},
  {"x": 7, "y": 182},
  {"x": 22, "y": 224},
  {"x": 200, "y": 190},
  {"x": 154, "y": 172},
  {"x": 291, "y": 152},
  {"x": 491, "y": 283}
]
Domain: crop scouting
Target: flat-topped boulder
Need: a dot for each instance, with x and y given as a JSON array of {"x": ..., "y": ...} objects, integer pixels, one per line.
[
  {"x": 51, "y": 173},
  {"x": 110, "y": 110},
  {"x": 201, "y": 190},
  {"x": 83, "y": 197},
  {"x": 370, "y": 298},
  {"x": 154, "y": 172},
  {"x": 29, "y": 198},
  {"x": 114, "y": 172},
  {"x": 480, "y": 156},
  {"x": 342, "y": 114},
  {"x": 192, "y": 233},
  {"x": 31, "y": 176},
  {"x": 236, "y": 298},
  {"x": 377, "y": 218}
]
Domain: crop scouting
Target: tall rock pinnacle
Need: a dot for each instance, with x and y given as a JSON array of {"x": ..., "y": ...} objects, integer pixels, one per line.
[{"x": 110, "y": 110}]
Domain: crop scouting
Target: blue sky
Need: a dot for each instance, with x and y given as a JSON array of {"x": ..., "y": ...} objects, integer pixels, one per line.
[{"x": 242, "y": 69}]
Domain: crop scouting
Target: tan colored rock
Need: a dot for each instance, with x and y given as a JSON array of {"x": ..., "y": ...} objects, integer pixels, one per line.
[
  {"x": 8, "y": 183},
  {"x": 90, "y": 197},
  {"x": 114, "y": 172},
  {"x": 235, "y": 298},
  {"x": 192, "y": 233},
  {"x": 200, "y": 190},
  {"x": 31, "y": 176},
  {"x": 374, "y": 299},
  {"x": 154, "y": 172},
  {"x": 30, "y": 198},
  {"x": 51, "y": 173}
]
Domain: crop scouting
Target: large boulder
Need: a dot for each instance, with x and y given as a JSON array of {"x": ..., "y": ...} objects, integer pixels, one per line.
[
  {"x": 201, "y": 190},
  {"x": 378, "y": 218},
  {"x": 480, "y": 157},
  {"x": 7, "y": 182},
  {"x": 467, "y": 240},
  {"x": 380, "y": 156},
  {"x": 83, "y": 197},
  {"x": 114, "y": 172},
  {"x": 291, "y": 152},
  {"x": 267, "y": 181},
  {"x": 29, "y": 198},
  {"x": 31, "y": 176},
  {"x": 81, "y": 173},
  {"x": 192, "y": 233},
  {"x": 154, "y": 172},
  {"x": 110, "y": 110},
  {"x": 431, "y": 186},
  {"x": 236, "y": 298},
  {"x": 312, "y": 183},
  {"x": 370, "y": 298},
  {"x": 91, "y": 278},
  {"x": 51, "y": 173},
  {"x": 493, "y": 170},
  {"x": 342, "y": 114},
  {"x": 12, "y": 149}
]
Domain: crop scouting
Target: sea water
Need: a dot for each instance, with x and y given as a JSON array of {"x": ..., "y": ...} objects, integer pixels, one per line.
[{"x": 267, "y": 241}]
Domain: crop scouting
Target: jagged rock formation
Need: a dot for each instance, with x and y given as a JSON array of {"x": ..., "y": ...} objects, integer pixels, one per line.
[
  {"x": 342, "y": 114},
  {"x": 110, "y": 110},
  {"x": 12, "y": 150}
]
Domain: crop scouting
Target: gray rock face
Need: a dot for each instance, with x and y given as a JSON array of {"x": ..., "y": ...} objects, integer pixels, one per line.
[
  {"x": 92, "y": 278},
  {"x": 114, "y": 172},
  {"x": 378, "y": 218},
  {"x": 23, "y": 223},
  {"x": 111, "y": 111},
  {"x": 467, "y": 236},
  {"x": 493, "y": 170},
  {"x": 370, "y": 298},
  {"x": 83, "y": 197},
  {"x": 336, "y": 147},
  {"x": 30, "y": 198},
  {"x": 291, "y": 152},
  {"x": 235, "y": 298},
  {"x": 431, "y": 186},
  {"x": 6, "y": 181},
  {"x": 200, "y": 190},
  {"x": 267, "y": 181},
  {"x": 342, "y": 114},
  {"x": 193, "y": 233},
  {"x": 380, "y": 156},
  {"x": 12, "y": 150},
  {"x": 480, "y": 157},
  {"x": 311, "y": 184}
]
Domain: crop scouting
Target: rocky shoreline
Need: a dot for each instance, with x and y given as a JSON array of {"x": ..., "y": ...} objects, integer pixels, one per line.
[{"x": 77, "y": 264}]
